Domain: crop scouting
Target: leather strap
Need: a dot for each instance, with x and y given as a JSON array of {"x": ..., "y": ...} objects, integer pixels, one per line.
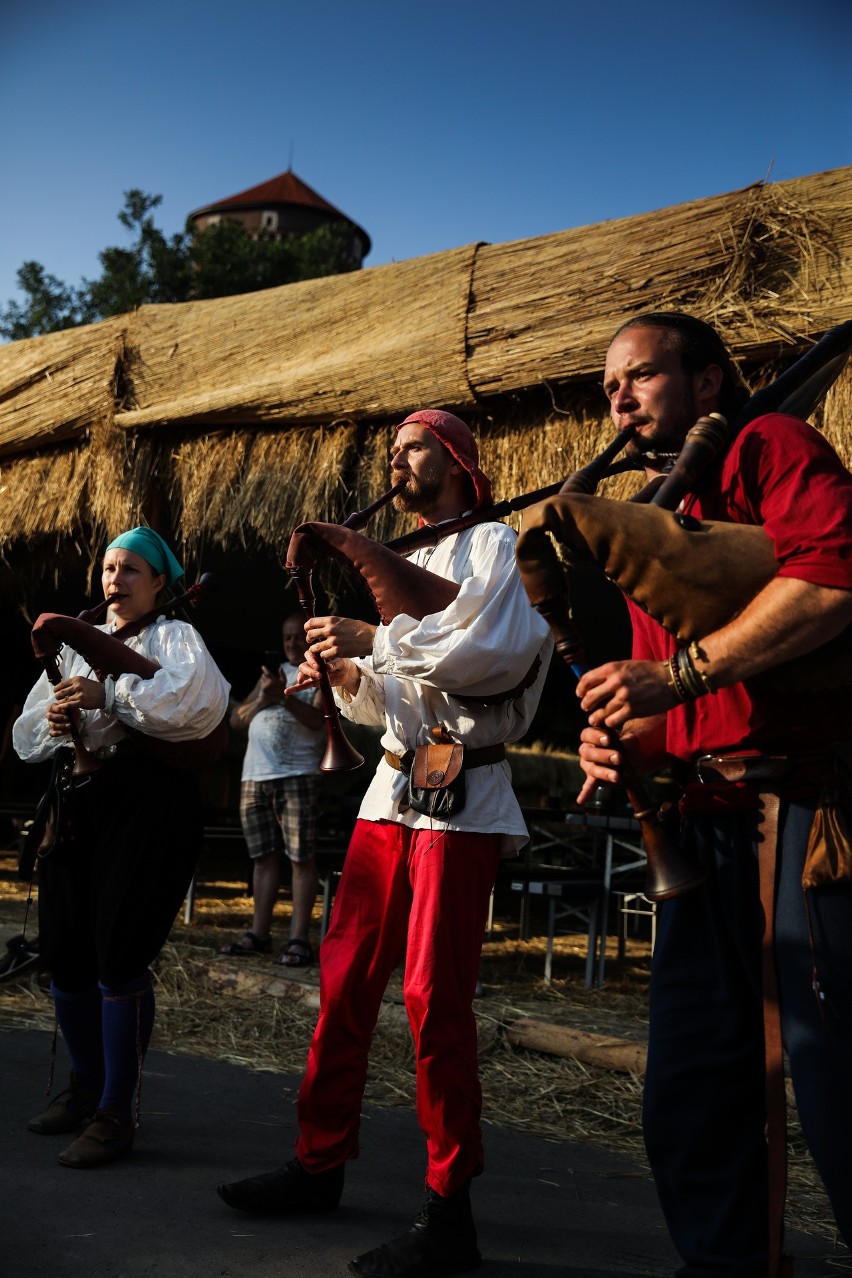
[
  {"x": 776, "y": 1096},
  {"x": 768, "y": 773},
  {"x": 713, "y": 769},
  {"x": 472, "y": 758},
  {"x": 497, "y": 698}
]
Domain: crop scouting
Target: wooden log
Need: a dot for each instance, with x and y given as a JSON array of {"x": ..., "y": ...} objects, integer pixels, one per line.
[
  {"x": 617, "y": 1054},
  {"x": 601, "y": 1050}
]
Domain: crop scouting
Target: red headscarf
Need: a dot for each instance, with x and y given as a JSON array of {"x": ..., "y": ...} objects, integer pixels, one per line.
[{"x": 458, "y": 440}]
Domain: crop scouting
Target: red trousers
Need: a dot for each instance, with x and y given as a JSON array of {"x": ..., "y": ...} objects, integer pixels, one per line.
[{"x": 422, "y": 894}]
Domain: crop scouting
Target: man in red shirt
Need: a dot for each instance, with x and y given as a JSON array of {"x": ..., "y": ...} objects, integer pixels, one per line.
[{"x": 705, "y": 1085}]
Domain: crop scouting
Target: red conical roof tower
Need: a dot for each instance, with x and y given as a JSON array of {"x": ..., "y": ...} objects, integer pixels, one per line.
[{"x": 284, "y": 204}]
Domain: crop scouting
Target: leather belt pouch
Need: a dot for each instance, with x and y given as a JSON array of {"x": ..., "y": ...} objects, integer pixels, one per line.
[
  {"x": 828, "y": 858},
  {"x": 829, "y": 853},
  {"x": 436, "y": 785}
]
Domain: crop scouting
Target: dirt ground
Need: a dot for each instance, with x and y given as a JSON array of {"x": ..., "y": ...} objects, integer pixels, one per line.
[{"x": 255, "y": 1013}]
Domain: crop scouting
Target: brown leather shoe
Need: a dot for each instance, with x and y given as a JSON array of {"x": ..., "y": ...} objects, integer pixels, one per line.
[
  {"x": 68, "y": 1111},
  {"x": 106, "y": 1138}
]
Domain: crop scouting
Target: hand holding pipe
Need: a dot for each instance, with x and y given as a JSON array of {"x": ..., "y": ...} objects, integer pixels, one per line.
[
  {"x": 669, "y": 872},
  {"x": 109, "y": 654},
  {"x": 340, "y": 755}
]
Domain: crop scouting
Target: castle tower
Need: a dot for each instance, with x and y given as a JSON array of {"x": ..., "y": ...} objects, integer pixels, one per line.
[{"x": 283, "y": 205}]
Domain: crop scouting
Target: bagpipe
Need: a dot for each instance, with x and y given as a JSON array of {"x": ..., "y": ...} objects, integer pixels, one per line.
[
  {"x": 690, "y": 575},
  {"x": 395, "y": 586},
  {"x": 639, "y": 543},
  {"x": 109, "y": 655}
]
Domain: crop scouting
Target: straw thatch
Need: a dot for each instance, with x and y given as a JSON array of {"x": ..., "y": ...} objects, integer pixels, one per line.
[
  {"x": 53, "y": 388},
  {"x": 230, "y": 486},
  {"x": 233, "y": 419},
  {"x": 766, "y": 263}
]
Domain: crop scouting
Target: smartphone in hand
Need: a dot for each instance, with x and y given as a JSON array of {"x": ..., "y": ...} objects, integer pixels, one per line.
[{"x": 272, "y": 662}]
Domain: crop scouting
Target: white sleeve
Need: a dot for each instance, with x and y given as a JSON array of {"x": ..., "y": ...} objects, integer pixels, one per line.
[
  {"x": 367, "y": 706},
  {"x": 484, "y": 642},
  {"x": 187, "y": 697},
  {"x": 30, "y": 737}
]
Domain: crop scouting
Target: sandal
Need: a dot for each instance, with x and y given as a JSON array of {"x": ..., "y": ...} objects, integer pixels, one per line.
[
  {"x": 296, "y": 954},
  {"x": 238, "y": 949}
]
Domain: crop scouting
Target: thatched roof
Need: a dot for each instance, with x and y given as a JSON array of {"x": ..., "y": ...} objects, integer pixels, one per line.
[{"x": 246, "y": 414}]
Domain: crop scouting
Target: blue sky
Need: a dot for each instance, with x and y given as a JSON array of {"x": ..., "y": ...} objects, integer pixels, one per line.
[{"x": 431, "y": 125}]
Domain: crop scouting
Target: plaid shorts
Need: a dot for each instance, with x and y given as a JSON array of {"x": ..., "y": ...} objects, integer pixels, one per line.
[{"x": 280, "y": 816}]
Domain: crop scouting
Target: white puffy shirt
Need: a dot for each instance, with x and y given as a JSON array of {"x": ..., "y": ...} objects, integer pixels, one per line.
[
  {"x": 184, "y": 701},
  {"x": 483, "y": 643}
]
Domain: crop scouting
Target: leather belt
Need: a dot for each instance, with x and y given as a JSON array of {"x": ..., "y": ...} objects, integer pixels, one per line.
[
  {"x": 715, "y": 769},
  {"x": 472, "y": 758}
]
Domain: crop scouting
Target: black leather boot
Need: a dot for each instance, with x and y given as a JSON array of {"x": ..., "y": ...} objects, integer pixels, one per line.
[
  {"x": 441, "y": 1241},
  {"x": 69, "y": 1110},
  {"x": 289, "y": 1190}
]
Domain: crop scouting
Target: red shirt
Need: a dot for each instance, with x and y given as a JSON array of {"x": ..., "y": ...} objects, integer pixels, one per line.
[{"x": 783, "y": 474}]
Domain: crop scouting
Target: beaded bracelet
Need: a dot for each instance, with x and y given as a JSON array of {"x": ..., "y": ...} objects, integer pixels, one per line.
[
  {"x": 676, "y": 682},
  {"x": 686, "y": 681}
]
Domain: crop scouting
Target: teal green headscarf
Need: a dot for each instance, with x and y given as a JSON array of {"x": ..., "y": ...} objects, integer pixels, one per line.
[{"x": 150, "y": 546}]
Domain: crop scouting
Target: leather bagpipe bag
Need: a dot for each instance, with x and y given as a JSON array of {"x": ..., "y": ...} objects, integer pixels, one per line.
[{"x": 692, "y": 576}]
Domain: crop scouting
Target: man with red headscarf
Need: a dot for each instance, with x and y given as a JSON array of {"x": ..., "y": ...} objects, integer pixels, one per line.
[{"x": 414, "y": 885}]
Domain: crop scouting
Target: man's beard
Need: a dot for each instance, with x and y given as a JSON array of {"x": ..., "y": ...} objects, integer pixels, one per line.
[
  {"x": 420, "y": 493},
  {"x": 664, "y": 440}
]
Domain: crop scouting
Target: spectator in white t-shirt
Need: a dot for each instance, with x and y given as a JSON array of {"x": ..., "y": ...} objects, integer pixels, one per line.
[{"x": 279, "y": 797}]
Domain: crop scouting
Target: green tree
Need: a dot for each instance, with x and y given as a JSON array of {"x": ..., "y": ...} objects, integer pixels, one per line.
[
  {"x": 219, "y": 261},
  {"x": 49, "y": 305},
  {"x": 227, "y": 260},
  {"x": 326, "y": 251},
  {"x": 153, "y": 269}
]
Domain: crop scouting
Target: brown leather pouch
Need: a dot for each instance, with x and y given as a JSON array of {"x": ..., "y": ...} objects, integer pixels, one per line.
[
  {"x": 436, "y": 786},
  {"x": 829, "y": 854},
  {"x": 437, "y": 765}
]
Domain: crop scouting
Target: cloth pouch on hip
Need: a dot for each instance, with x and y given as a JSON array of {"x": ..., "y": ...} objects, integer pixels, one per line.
[
  {"x": 436, "y": 785},
  {"x": 829, "y": 854}
]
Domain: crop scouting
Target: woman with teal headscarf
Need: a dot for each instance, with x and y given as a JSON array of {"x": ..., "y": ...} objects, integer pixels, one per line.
[{"x": 109, "y": 892}]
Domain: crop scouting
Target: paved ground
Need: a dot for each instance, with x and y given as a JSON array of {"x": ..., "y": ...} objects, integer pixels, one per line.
[{"x": 544, "y": 1208}]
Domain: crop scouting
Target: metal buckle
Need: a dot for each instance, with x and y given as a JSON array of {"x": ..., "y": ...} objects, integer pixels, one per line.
[{"x": 706, "y": 761}]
